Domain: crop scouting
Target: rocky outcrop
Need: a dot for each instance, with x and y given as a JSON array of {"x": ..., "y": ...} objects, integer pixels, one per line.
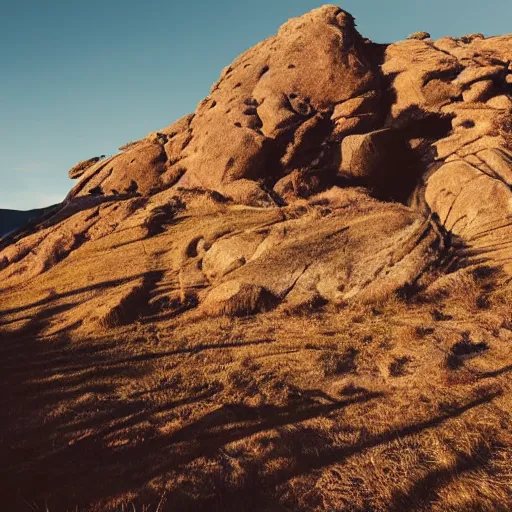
[
  {"x": 322, "y": 168},
  {"x": 465, "y": 174},
  {"x": 78, "y": 170},
  {"x": 279, "y": 107}
]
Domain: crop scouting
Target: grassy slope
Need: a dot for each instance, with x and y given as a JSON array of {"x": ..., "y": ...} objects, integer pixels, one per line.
[
  {"x": 355, "y": 408},
  {"x": 362, "y": 408}
]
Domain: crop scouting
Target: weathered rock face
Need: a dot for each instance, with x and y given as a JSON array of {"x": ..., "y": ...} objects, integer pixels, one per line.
[
  {"x": 321, "y": 168},
  {"x": 274, "y": 110},
  {"x": 466, "y": 172}
]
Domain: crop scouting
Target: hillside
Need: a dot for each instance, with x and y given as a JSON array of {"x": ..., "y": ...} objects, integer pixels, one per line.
[
  {"x": 296, "y": 298},
  {"x": 10, "y": 220}
]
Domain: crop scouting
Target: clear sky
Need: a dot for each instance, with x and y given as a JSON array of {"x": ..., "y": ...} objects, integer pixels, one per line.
[{"x": 78, "y": 78}]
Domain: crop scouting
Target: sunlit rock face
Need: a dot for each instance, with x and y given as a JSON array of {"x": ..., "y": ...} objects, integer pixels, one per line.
[
  {"x": 322, "y": 168},
  {"x": 281, "y": 106}
]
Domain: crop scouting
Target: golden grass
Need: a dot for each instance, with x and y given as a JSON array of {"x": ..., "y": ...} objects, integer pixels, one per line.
[
  {"x": 349, "y": 408},
  {"x": 402, "y": 404}
]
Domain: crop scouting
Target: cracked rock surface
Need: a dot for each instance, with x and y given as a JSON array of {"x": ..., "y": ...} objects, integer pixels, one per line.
[{"x": 322, "y": 168}]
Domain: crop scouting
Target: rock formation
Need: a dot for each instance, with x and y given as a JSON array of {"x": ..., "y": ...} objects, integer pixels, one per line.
[
  {"x": 322, "y": 168},
  {"x": 298, "y": 294}
]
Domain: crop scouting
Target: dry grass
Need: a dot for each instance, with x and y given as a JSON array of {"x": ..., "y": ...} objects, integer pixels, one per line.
[
  {"x": 343, "y": 409},
  {"x": 395, "y": 405}
]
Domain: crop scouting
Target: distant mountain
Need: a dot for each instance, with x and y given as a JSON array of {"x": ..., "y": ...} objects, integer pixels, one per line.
[{"x": 10, "y": 220}]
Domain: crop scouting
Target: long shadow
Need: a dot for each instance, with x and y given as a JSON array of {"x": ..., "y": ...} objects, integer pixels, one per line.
[
  {"x": 338, "y": 455},
  {"x": 152, "y": 356},
  {"x": 75, "y": 459},
  {"x": 30, "y": 331},
  {"x": 90, "y": 470},
  {"x": 71, "y": 293},
  {"x": 495, "y": 373},
  {"x": 60, "y": 353},
  {"x": 263, "y": 494},
  {"x": 73, "y": 470},
  {"x": 40, "y": 378},
  {"x": 424, "y": 492},
  {"x": 118, "y": 422},
  {"x": 213, "y": 431},
  {"x": 31, "y": 393}
]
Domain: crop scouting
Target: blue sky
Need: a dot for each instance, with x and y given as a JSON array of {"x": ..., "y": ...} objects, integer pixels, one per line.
[{"x": 80, "y": 78}]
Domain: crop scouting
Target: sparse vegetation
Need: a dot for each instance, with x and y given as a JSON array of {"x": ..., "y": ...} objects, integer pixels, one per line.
[
  {"x": 335, "y": 363},
  {"x": 300, "y": 413},
  {"x": 469, "y": 38}
]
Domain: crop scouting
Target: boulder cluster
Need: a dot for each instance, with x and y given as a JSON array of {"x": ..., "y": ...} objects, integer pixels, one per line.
[{"x": 322, "y": 168}]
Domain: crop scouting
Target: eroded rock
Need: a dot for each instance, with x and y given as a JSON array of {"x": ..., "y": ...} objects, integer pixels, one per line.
[{"x": 321, "y": 169}]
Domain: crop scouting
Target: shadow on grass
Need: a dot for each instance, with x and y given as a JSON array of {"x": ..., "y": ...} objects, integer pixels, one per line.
[
  {"x": 424, "y": 492},
  {"x": 70, "y": 439}
]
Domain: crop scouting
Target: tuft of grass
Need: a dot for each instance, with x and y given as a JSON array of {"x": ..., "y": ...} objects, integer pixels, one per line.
[
  {"x": 398, "y": 367},
  {"x": 335, "y": 363}
]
